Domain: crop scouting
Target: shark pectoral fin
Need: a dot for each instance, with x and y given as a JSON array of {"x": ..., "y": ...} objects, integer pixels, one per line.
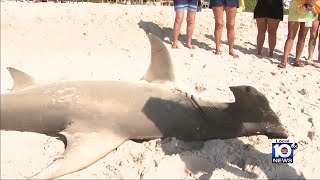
[
  {"x": 83, "y": 150},
  {"x": 161, "y": 67},
  {"x": 21, "y": 79}
]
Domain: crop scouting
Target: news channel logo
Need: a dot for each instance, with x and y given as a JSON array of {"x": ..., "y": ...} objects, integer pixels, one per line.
[{"x": 282, "y": 150}]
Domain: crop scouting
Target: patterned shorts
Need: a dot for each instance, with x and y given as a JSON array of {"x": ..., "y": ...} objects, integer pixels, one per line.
[{"x": 185, "y": 4}]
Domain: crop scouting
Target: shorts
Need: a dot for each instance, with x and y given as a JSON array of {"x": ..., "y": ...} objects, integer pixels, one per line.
[
  {"x": 219, "y": 3},
  {"x": 180, "y": 5}
]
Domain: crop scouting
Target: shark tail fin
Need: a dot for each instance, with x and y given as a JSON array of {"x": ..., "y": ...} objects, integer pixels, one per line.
[
  {"x": 21, "y": 79},
  {"x": 161, "y": 67}
]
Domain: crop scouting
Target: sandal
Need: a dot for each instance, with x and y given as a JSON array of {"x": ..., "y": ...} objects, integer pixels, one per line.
[
  {"x": 298, "y": 64},
  {"x": 282, "y": 65}
]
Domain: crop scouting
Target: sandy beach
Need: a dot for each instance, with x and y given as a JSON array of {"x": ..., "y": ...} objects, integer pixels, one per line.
[{"x": 86, "y": 41}]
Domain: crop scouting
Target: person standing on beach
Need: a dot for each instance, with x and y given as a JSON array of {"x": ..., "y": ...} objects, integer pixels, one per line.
[
  {"x": 268, "y": 20},
  {"x": 319, "y": 50},
  {"x": 313, "y": 37},
  {"x": 180, "y": 6},
  {"x": 218, "y": 7},
  {"x": 296, "y": 22},
  {"x": 319, "y": 46}
]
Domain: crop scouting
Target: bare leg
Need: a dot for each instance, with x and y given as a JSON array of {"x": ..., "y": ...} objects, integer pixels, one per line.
[
  {"x": 303, "y": 31},
  {"x": 319, "y": 50},
  {"x": 231, "y": 16},
  {"x": 272, "y": 34},
  {"x": 191, "y": 16},
  {"x": 313, "y": 38},
  {"x": 262, "y": 28},
  {"x": 292, "y": 32},
  {"x": 218, "y": 18},
  {"x": 177, "y": 27}
]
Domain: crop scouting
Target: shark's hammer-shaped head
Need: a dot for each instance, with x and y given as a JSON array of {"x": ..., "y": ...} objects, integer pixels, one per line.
[{"x": 252, "y": 108}]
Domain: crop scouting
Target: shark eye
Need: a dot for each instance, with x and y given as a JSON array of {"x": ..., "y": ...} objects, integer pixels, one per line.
[{"x": 248, "y": 89}]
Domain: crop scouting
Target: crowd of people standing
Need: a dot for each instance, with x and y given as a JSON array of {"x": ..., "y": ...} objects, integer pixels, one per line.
[{"x": 267, "y": 13}]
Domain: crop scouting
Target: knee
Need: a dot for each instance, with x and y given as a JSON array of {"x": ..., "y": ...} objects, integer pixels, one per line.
[
  {"x": 313, "y": 36},
  {"x": 179, "y": 20},
  {"x": 262, "y": 30},
  {"x": 302, "y": 38},
  {"x": 219, "y": 26},
  {"x": 230, "y": 27},
  {"x": 291, "y": 36},
  {"x": 190, "y": 20},
  {"x": 272, "y": 32}
]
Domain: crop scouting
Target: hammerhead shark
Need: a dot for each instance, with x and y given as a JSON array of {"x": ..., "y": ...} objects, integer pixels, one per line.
[{"x": 96, "y": 117}]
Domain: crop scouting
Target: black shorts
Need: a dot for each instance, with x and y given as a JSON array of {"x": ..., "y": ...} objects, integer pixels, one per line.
[
  {"x": 269, "y": 9},
  {"x": 219, "y": 3}
]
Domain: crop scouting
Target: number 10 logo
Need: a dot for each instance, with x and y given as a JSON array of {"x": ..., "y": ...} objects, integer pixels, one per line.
[{"x": 282, "y": 150}]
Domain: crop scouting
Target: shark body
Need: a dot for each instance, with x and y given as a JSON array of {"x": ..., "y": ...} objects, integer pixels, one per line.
[{"x": 98, "y": 116}]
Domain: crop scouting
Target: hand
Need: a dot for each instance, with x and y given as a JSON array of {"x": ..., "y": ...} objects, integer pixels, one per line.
[
  {"x": 310, "y": 4},
  {"x": 310, "y": 7},
  {"x": 315, "y": 7},
  {"x": 311, "y": 1}
]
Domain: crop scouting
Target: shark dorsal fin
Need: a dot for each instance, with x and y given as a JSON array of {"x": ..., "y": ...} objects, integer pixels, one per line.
[
  {"x": 161, "y": 67},
  {"x": 21, "y": 79}
]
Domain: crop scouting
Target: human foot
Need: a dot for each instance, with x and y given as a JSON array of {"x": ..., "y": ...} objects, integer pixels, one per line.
[
  {"x": 190, "y": 46},
  {"x": 282, "y": 65},
  {"x": 218, "y": 53},
  {"x": 270, "y": 54},
  {"x": 234, "y": 55},
  {"x": 298, "y": 63},
  {"x": 175, "y": 45},
  {"x": 259, "y": 53}
]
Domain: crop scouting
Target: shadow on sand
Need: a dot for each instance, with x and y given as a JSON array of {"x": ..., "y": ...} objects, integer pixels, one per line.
[
  {"x": 230, "y": 154},
  {"x": 252, "y": 50},
  {"x": 165, "y": 34}
]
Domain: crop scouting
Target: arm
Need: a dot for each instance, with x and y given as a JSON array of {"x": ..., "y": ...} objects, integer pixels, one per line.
[{"x": 314, "y": 6}]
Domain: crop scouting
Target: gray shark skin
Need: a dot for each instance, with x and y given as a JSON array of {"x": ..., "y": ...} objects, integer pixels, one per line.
[{"x": 98, "y": 116}]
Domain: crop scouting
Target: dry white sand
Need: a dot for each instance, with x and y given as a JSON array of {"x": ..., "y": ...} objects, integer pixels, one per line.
[{"x": 101, "y": 41}]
